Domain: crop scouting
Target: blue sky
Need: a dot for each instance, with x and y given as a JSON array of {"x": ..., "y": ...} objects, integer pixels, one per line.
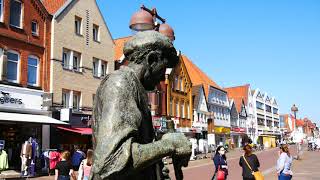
[{"x": 273, "y": 45}]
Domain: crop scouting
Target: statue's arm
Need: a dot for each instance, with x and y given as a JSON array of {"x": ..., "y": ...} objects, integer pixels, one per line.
[{"x": 144, "y": 155}]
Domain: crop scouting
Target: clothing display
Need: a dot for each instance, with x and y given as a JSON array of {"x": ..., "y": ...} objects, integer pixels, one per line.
[
  {"x": 3, "y": 160},
  {"x": 26, "y": 155},
  {"x": 54, "y": 158}
]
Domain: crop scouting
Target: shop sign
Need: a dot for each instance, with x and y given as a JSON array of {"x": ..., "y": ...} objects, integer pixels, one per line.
[
  {"x": 20, "y": 98},
  {"x": 221, "y": 130},
  {"x": 237, "y": 129}
]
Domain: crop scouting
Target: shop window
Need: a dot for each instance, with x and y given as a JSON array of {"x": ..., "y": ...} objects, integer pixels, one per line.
[
  {"x": 76, "y": 101},
  {"x": 96, "y": 33},
  {"x": 33, "y": 69},
  {"x": 78, "y": 25},
  {"x": 34, "y": 28},
  {"x": 1, "y": 10},
  {"x": 13, "y": 66},
  {"x": 16, "y": 13}
]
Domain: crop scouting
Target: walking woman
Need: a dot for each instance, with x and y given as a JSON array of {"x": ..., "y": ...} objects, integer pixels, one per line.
[
  {"x": 248, "y": 159},
  {"x": 85, "y": 166},
  {"x": 63, "y": 168},
  {"x": 284, "y": 163},
  {"x": 220, "y": 162}
]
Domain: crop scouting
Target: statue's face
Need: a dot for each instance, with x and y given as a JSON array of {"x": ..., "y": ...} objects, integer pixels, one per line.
[{"x": 155, "y": 71}]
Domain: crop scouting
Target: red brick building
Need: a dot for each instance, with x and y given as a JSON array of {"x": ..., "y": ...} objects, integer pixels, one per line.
[{"x": 25, "y": 36}]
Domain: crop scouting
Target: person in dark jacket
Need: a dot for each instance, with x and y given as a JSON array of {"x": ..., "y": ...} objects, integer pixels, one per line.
[
  {"x": 253, "y": 161},
  {"x": 220, "y": 160}
]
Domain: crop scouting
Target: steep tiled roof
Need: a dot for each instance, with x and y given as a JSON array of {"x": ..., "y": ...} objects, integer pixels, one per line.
[
  {"x": 238, "y": 94},
  {"x": 53, "y": 6},
  {"x": 119, "y": 44},
  {"x": 299, "y": 122},
  {"x": 198, "y": 77}
]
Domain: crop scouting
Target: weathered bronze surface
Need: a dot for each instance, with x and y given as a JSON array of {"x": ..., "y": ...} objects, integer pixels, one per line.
[{"x": 123, "y": 136}]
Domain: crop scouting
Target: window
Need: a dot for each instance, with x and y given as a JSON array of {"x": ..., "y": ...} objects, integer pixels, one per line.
[
  {"x": 34, "y": 28},
  {"x": 13, "y": 66},
  {"x": 76, "y": 101},
  {"x": 103, "y": 68},
  {"x": 99, "y": 67},
  {"x": 260, "y": 121},
  {"x": 95, "y": 67},
  {"x": 177, "y": 109},
  {"x": 188, "y": 110},
  {"x": 65, "y": 98},
  {"x": 78, "y": 25},
  {"x": 275, "y": 111},
  {"x": 76, "y": 61},
  {"x": 170, "y": 108},
  {"x": 33, "y": 70},
  {"x": 65, "y": 59},
  {"x": 16, "y": 13},
  {"x": 1, "y": 10},
  {"x": 181, "y": 84},
  {"x": 93, "y": 99},
  {"x": 95, "y": 32},
  {"x": 176, "y": 80},
  {"x": 259, "y": 105},
  {"x": 182, "y": 109},
  {"x": 268, "y": 108}
]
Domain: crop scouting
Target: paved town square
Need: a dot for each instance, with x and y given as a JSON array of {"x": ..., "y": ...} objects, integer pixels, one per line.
[{"x": 159, "y": 90}]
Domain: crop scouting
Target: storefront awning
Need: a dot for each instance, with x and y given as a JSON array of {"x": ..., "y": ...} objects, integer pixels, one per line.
[
  {"x": 82, "y": 131},
  {"x": 30, "y": 118}
]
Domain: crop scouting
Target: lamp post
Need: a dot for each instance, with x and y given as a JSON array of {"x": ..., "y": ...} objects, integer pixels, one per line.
[
  {"x": 295, "y": 109},
  {"x": 146, "y": 19},
  {"x": 252, "y": 130}
]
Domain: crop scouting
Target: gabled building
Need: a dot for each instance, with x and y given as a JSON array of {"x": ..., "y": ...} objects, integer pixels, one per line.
[
  {"x": 238, "y": 112},
  {"x": 25, "y": 49},
  {"x": 201, "y": 117},
  {"x": 179, "y": 97},
  {"x": 217, "y": 100},
  {"x": 266, "y": 112},
  {"x": 82, "y": 55}
]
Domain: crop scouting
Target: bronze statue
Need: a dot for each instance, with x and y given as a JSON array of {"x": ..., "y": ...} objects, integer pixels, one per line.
[{"x": 123, "y": 136}]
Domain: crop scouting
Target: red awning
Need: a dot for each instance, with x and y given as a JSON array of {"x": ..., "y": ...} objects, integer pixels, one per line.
[{"x": 82, "y": 131}]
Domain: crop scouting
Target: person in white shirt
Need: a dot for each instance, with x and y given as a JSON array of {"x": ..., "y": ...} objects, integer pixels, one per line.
[{"x": 284, "y": 164}]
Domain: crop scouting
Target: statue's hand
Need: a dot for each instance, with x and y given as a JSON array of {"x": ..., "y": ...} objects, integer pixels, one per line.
[{"x": 180, "y": 143}]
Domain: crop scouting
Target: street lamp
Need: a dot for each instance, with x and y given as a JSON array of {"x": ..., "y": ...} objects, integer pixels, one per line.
[
  {"x": 295, "y": 109},
  {"x": 145, "y": 19}
]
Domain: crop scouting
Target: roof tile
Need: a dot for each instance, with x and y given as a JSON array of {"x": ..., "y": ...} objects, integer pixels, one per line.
[
  {"x": 198, "y": 77},
  {"x": 238, "y": 94},
  {"x": 119, "y": 44},
  {"x": 53, "y": 6}
]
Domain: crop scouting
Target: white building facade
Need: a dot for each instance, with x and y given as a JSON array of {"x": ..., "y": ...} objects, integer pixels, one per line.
[
  {"x": 218, "y": 103},
  {"x": 264, "y": 118}
]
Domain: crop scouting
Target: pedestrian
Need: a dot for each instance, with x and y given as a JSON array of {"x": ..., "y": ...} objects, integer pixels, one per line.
[
  {"x": 85, "y": 166},
  {"x": 63, "y": 169},
  {"x": 77, "y": 157},
  {"x": 220, "y": 162},
  {"x": 249, "y": 159},
  {"x": 284, "y": 163}
]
